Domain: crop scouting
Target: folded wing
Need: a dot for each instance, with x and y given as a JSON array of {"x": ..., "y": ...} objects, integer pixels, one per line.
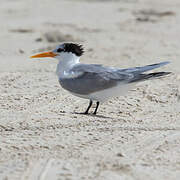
[{"x": 93, "y": 78}]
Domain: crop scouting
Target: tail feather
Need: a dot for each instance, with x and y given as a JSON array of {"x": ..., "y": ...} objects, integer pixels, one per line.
[
  {"x": 139, "y": 70},
  {"x": 143, "y": 77}
]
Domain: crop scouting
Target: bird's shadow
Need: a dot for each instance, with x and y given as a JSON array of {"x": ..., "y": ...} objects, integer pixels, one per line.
[{"x": 92, "y": 115}]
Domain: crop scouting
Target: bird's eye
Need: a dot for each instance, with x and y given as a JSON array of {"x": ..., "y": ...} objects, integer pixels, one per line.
[{"x": 59, "y": 50}]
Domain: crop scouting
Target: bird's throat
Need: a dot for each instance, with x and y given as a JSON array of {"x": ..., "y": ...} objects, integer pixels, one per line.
[{"x": 65, "y": 64}]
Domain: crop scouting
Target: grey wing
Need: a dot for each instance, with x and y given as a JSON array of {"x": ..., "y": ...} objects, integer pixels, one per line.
[
  {"x": 93, "y": 78},
  {"x": 134, "y": 70}
]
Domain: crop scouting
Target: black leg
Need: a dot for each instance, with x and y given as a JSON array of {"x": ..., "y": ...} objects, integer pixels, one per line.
[
  {"x": 90, "y": 104},
  {"x": 97, "y": 105}
]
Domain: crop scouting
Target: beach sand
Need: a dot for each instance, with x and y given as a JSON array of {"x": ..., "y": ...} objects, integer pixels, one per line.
[{"x": 136, "y": 136}]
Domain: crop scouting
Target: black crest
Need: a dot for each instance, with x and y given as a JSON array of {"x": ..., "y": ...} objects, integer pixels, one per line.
[{"x": 74, "y": 48}]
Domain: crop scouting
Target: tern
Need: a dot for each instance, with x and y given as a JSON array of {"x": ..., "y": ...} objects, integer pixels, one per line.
[{"x": 94, "y": 81}]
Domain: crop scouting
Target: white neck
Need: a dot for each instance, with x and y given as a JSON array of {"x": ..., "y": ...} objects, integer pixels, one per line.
[{"x": 66, "y": 62}]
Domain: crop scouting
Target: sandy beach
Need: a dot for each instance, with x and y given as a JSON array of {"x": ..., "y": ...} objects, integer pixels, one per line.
[{"x": 133, "y": 137}]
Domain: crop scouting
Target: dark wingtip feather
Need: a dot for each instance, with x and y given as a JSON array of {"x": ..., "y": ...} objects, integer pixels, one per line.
[
  {"x": 159, "y": 74},
  {"x": 143, "y": 77}
]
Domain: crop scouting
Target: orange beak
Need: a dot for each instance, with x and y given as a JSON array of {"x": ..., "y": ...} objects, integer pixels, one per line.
[{"x": 44, "y": 54}]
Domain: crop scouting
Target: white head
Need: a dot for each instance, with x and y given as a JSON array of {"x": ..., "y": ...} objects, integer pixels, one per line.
[{"x": 65, "y": 52}]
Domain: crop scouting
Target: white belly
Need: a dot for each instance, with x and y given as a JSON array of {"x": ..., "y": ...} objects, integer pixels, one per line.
[{"x": 106, "y": 94}]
